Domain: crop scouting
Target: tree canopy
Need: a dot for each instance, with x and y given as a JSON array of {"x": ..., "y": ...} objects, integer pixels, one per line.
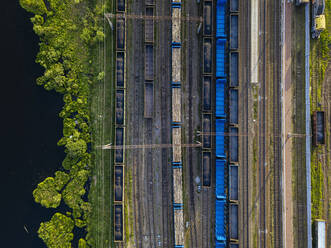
[
  {"x": 57, "y": 233},
  {"x": 68, "y": 31},
  {"x": 34, "y": 6}
]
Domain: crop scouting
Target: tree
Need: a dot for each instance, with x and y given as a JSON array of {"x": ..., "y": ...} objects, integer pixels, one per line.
[
  {"x": 61, "y": 179},
  {"x": 57, "y": 233},
  {"x": 73, "y": 192},
  {"x": 76, "y": 148},
  {"x": 46, "y": 194},
  {"x": 82, "y": 243},
  {"x": 34, "y": 6}
]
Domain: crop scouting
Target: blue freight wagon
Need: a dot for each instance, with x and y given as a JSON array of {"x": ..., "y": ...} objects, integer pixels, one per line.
[
  {"x": 221, "y": 19},
  {"x": 220, "y": 179},
  {"x": 220, "y": 58},
  {"x": 220, "y": 140},
  {"x": 220, "y": 223},
  {"x": 234, "y": 32},
  {"x": 220, "y": 244},
  {"x": 233, "y": 106},
  {"x": 220, "y": 98},
  {"x": 234, "y": 66}
]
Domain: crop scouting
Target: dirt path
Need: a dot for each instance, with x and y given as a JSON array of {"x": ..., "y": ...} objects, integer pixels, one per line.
[{"x": 288, "y": 94}]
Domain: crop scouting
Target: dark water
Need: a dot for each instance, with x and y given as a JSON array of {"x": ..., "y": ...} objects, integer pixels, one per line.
[{"x": 30, "y": 129}]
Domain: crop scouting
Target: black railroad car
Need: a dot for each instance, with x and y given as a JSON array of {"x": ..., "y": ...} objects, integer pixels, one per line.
[
  {"x": 118, "y": 222},
  {"x": 119, "y": 107},
  {"x": 120, "y": 5},
  {"x": 120, "y": 33},
  {"x": 118, "y": 183},
  {"x": 149, "y": 25},
  {"x": 206, "y": 93},
  {"x": 207, "y": 55},
  {"x": 206, "y": 126},
  {"x": 206, "y": 170},
  {"x": 119, "y": 136},
  {"x": 149, "y": 62},
  {"x": 207, "y": 18},
  {"x": 120, "y": 69}
]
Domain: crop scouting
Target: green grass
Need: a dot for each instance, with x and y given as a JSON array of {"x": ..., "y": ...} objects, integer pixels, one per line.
[
  {"x": 317, "y": 181},
  {"x": 320, "y": 56},
  {"x": 100, "y": 227}
]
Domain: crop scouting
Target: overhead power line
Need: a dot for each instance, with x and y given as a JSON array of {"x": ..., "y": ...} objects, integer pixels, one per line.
[{"x": 157, "y": 18}]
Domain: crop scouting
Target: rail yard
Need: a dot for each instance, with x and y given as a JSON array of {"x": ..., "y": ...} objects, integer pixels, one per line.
[{"x": 205, "y": 149}]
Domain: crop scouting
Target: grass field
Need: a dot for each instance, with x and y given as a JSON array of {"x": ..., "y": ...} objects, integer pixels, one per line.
[
  {"x": 320, "y": 57},
  {"x": 102, "y": 119}
]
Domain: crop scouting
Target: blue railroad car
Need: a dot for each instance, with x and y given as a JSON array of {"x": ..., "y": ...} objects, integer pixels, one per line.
[
  {"x": 221, "y": 19},
  {"x": 220, "y": 179},
  {"x": 220, "y": 98},
  {"x": 220, "y": 223},
  {"x": 220, "y": 244},
  {"x": 220, "y": 140},
  {"x": 221, "y": 58}
]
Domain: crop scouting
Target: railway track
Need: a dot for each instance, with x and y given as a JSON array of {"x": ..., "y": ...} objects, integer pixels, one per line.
[
  {"x": 245, "y": 87},
  {"x": 277, "y": 165},
  {"x": 163, "y": 77},
  {"x": 135, "y": 127},
  {"x": 192, "y": 209},
  {"x": 262, "y": 125},
  {"x": 148, "y": 160}
]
